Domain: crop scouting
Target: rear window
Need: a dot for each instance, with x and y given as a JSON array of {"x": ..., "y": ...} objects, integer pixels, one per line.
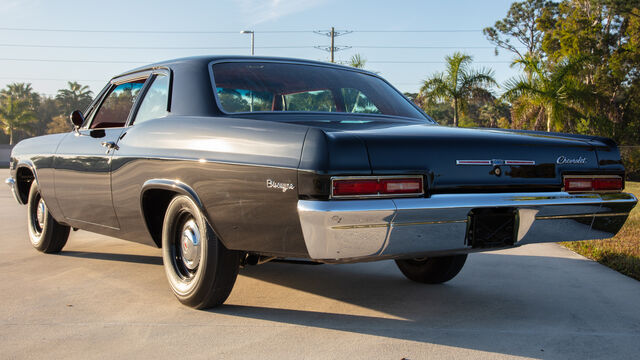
[{"x": 243, "y": 87}]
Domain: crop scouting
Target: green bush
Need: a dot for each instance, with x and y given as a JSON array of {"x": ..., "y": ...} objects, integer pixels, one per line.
[{"x": 631, "y": 159}]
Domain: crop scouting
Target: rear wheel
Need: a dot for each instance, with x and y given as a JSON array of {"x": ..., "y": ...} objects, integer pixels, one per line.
[
  {"x": 200, "y": 270},
  {"x": 435, "y": 270},
  {"x": 45, "y": 233}
]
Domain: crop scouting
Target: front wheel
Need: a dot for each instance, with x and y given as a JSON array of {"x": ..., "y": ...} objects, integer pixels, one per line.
[
  {"x": 435, "y": 270},
  {"x": 200, "y": 269},
  {"x": 45, "y": 233}
]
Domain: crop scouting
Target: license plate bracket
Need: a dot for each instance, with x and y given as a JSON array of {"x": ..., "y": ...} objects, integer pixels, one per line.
[{"x": 491, "y": 227}]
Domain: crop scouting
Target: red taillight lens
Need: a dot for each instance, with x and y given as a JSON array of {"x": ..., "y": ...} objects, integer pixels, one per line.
[
  {"x": 377, "y": 186},
  {"x": 607, "y": 184},
  {"x": 592, "y": 184},
  {"x": 355, "y": 187}
]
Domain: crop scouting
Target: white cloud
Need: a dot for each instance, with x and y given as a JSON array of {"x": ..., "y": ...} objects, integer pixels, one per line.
[
  {"x": 259, "y": 11},
  {"x": 7, "y": 6}
]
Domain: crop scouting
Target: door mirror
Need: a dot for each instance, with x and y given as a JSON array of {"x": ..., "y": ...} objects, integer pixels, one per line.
[{"x": 77, "y": 119}]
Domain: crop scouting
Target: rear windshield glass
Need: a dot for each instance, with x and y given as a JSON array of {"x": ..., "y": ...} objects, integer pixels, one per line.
[{"x": 265, "y": 87}]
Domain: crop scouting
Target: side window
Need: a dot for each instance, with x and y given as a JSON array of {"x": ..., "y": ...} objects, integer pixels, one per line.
[
  {"x": 317, "y": 100},
  {"x": 154, "y": 103},
  {"x": 116, "y": 107},
  {"x": 357, "y": 102}
]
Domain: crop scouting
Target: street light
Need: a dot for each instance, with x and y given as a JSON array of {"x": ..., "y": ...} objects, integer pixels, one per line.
[
  {"x": 252, "y": 38},
  {"x": 252, "y": 43}
]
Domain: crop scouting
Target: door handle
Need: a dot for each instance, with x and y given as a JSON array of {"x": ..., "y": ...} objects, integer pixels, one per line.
[{"x": 109, "y": 145}]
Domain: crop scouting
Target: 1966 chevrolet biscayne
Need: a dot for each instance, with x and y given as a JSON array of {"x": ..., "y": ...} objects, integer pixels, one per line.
[{"x": 228, "y": 161}]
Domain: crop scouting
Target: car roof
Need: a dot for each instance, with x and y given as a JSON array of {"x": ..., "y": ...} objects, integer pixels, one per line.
[{"x": 206, "y": 59}]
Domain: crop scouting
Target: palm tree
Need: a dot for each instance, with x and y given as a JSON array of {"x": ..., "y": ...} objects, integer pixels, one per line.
[
  {"x": 15, "y": 114},
  {"x": 551, "y": 95},
  {"x": 76, "y": 97},
  {"x": 22, "y": 91},
  {"x": 457, "y": 84},
  {"x": 357, "y": 61}
]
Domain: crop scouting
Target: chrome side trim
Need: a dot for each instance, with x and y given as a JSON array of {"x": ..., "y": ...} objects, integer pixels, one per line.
[{"x": 344, "y": 230}]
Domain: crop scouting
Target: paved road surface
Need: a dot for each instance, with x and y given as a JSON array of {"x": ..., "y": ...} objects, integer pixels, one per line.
[{"x": 102, "y": 298}]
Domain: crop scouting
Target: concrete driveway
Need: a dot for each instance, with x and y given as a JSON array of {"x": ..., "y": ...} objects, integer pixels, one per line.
[{"x": 106, "y": 298}]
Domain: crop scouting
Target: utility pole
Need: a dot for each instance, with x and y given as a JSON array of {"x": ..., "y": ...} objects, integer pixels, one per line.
[
  {"x": 332, "y": 34},
  {"x": 333, "y": 37}
]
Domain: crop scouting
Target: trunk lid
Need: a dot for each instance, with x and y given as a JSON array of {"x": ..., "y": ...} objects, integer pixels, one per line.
[{"x": 460, "y": 160}]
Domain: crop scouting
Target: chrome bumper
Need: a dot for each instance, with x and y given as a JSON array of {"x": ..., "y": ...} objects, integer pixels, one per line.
[
  {"x": 12, "y": 186},
  {"x": 387, "y": 228}
]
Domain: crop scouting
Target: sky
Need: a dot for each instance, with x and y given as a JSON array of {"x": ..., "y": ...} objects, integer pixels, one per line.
[{"x": 48, "y": 43}]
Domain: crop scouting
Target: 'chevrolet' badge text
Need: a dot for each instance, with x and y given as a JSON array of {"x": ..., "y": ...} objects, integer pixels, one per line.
[
  {"x": 565, "y": 160},
  {"x": 278, "y": 185}
]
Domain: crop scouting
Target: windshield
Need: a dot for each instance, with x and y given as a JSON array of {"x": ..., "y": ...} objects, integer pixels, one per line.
[{"x": 266, "y": 87}]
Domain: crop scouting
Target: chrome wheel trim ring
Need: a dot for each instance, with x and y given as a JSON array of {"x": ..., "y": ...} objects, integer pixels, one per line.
[{"x": 37, "y": 212}]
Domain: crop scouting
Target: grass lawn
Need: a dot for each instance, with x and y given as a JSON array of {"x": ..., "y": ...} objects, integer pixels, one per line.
[{"x": 621, "y": 253}]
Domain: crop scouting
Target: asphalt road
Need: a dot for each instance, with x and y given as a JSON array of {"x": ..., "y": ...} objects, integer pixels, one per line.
[{"x": 106, "y": 298}]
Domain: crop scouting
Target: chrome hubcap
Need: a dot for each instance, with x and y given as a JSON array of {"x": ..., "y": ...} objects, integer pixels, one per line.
[
  {"x": 41, "y": 210},
  {"x": 190, "y": 245}
]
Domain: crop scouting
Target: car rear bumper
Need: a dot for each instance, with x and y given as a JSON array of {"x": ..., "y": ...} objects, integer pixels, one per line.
[{"x": 361, "y": 230}]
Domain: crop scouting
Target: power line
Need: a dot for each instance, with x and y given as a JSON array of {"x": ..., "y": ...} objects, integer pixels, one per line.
[
  {"x": 19, "y": 78},
  {"x": 144, "y": 62},
  {"x": 433, "y": 62},
  {"x": 237, "y": 47},
  {"x": 76, "y": 61},
  {"x": 129, "y": 31},
  {"x": 419, "y": 31},
  {"x": 150, "y": 47},
  {"x": 147, "y": 31},
  {"x": 421, "y": 47}
]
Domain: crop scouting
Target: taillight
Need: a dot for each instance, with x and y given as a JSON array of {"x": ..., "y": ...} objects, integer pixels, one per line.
[
  {"x": 599, "y": 183},
  {"x": 376, "y": 187}
]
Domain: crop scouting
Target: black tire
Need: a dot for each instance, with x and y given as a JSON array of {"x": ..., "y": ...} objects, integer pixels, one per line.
[
  {"x": 45, "y": 233},
  {"x": 200, "y": 269},
  {"x": 436, "y": 270}
]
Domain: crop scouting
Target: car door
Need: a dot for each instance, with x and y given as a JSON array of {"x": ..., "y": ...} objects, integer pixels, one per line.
[{"x": 83, "y": 160}]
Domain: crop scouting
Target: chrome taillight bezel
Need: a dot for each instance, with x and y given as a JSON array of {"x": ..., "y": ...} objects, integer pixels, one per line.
[
  {"x": 592, "y": 191},
  {"x": 378, "y": 178}
]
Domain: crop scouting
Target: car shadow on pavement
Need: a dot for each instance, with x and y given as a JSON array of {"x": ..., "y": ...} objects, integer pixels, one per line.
[
  {"x": 510, "y": 304},
  {"x": 139, "y": 259}
]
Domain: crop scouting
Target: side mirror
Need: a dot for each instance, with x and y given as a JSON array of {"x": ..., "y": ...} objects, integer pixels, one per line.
[{"x": 77, "y": 119}]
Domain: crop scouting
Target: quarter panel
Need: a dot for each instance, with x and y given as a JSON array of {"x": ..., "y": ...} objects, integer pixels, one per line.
[{"x": 227, "y": 163}]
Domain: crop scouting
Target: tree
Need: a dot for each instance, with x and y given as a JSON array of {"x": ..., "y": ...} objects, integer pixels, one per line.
[
  {"x": 46, "y": 110},
  {"x": 59, "y": 124},
  {"x": 357, "y": 61},
  {"x": 457, "y": 84},
  {"x": 521, "y": 24},
  {"x": 76, "y": 97},
  {"x": 15, "y": 114},
  {"x": 18, "y": 98},
  {"x": 23, "y": 91},
  {"x": 607, "y": 34},
  {"x": 553, "y": 95}
]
